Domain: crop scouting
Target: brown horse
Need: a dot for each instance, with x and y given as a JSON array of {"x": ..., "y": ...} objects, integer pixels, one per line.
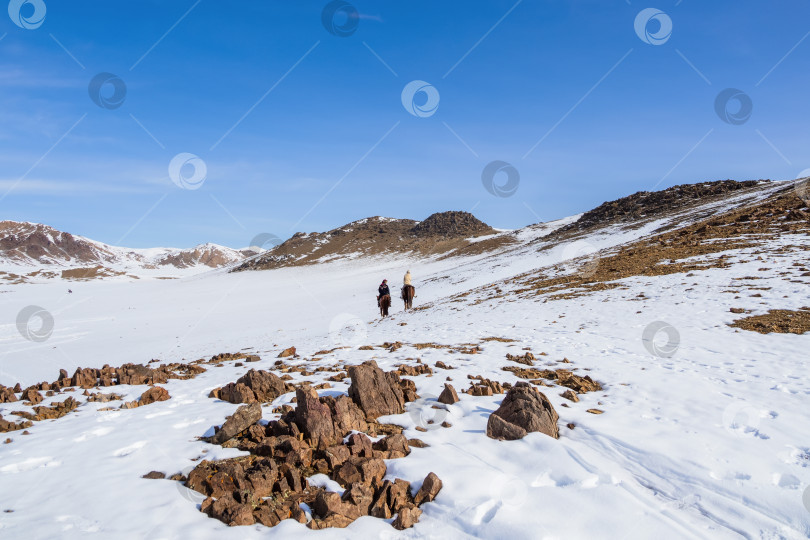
[
  {"x": 408, "y": 292},
  {"x": 384, "y": 302}
]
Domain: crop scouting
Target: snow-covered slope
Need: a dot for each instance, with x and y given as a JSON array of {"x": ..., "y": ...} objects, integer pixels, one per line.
[{"x": 707, "y": 442}]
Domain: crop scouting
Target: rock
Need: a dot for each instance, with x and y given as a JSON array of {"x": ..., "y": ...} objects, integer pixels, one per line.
[
  {"x": 31, "y": 394},
  {"x": 244, "y": 417},
  {"x": 407, "y": 518},
  {"x": 448, "y": 395},
  {"x": 595, "y": 411},
  {"x": 156, "y": 393},
  {"x": 265, "y": 385},
  {"x": 377, "y": 393},
  {"x": 314, "y": 418},
  {"x": 7, "y": 395},
  {"x": 347, "y": 416},
  {"x": 393, "y": 443},
  {"x": 522, "y": 411},
  {"x": 154, "y": 475},
  {"x": 498, "y": 428},
  {"x": 287, "y": 352},
  {"x": 255, "y": 385},
  {"x": 570, "y": 395},
  {"x": 430, "y": 488},
  {"x": 526, "y": 359}
]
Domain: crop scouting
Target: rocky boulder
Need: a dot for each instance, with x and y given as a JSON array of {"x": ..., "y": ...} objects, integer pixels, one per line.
[
  {"x": 253, "y": 386},
  {"x": 243, "y": 418},
  {"x": 522, "y": 411},
  {"x": 376, "y": 392},
  {"x": 448, "y": 395}
]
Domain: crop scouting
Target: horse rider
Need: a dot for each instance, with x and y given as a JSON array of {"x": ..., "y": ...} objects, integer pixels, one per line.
[
  {"x": 407, "y": 279},
  {"x": 383, "y": 290}
]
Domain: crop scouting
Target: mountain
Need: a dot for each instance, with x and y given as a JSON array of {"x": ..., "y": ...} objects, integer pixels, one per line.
[
  {"x": 33, "y": 250},
  {"x": 659, "y": 342},
  {"x": 439, "y": 233}
]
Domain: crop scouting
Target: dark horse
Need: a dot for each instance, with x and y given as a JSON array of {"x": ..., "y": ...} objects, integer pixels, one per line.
[
  {"x": 384, "y": 303},
  {"x": 408, "y": 292}
]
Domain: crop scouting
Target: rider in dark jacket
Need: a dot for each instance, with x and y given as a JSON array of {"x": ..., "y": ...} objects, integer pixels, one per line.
[{"x": 383, "y": 290}]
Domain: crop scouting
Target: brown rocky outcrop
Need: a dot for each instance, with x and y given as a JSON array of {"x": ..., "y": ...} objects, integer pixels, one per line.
[
  {"x": 376, "y": 392},
  {"x": 314, "y": 437},
  {"x": 253, "y": 386},
  {"x": 522, "y": 411},
  {"x": 244, "y": 417}
]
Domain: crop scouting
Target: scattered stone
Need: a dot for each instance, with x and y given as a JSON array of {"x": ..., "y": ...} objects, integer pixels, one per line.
[
  {"x": 430, "y": 488},
  {"x": 253, "y": 386},
  {"x": 154, "y": 475},
  {"x": 522, "y": 411},
  {"x": 570, "y": 395},
  {"x": 238, "y": 422},
  {"x": 527, "y": 359},
  {"x": 595, "y": 411},
  {"x": 287, "y": 352},
  {"x": 448, "y": 395},
  {"x": 156, "y": 393}
]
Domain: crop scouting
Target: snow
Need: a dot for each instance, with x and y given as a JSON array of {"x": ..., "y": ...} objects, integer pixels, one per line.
[{"x": 709, "y": 443}]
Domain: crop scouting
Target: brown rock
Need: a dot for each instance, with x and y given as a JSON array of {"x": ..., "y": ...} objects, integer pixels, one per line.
[
  {"x": 523, "y": 410},
  {"x": 570, "y": 395},
  {"x": 407, "y": 517},
  {"x": 377, "y": 393},
  {"x": 31, "y": 394},
  {"x": 430, "y": 488},
  {"x": 347, "y": 416},
  {"x": 244, "y": 417},
  {"x": 154, "y": 475},
  {"x": 287, "y": 352},
  {"x": 313, "y": 417},
  {"x": 448, "y": 395},
  {"x": 7, "y": 395},
  {"x": 156, "y": 393}
]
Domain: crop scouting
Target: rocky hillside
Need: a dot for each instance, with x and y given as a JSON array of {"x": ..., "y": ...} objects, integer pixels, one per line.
[
  {"x": 646, "y": 205},
  {"x": 439, "y": 233}
]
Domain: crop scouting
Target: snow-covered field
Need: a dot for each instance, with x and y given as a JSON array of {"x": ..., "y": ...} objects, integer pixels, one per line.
[{"x": 712, "y": 442}]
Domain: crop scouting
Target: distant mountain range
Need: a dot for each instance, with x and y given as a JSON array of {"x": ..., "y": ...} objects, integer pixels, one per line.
[{"x": 33, "y": 252}]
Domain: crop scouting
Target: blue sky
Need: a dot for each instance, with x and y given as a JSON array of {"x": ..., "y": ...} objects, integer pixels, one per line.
[{"x": 301, "y": 129}]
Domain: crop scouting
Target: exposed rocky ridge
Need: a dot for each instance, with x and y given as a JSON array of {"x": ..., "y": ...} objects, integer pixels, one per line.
[
  {"x": 651, "y": 204},
  {"x": 439, "y": 233}
]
